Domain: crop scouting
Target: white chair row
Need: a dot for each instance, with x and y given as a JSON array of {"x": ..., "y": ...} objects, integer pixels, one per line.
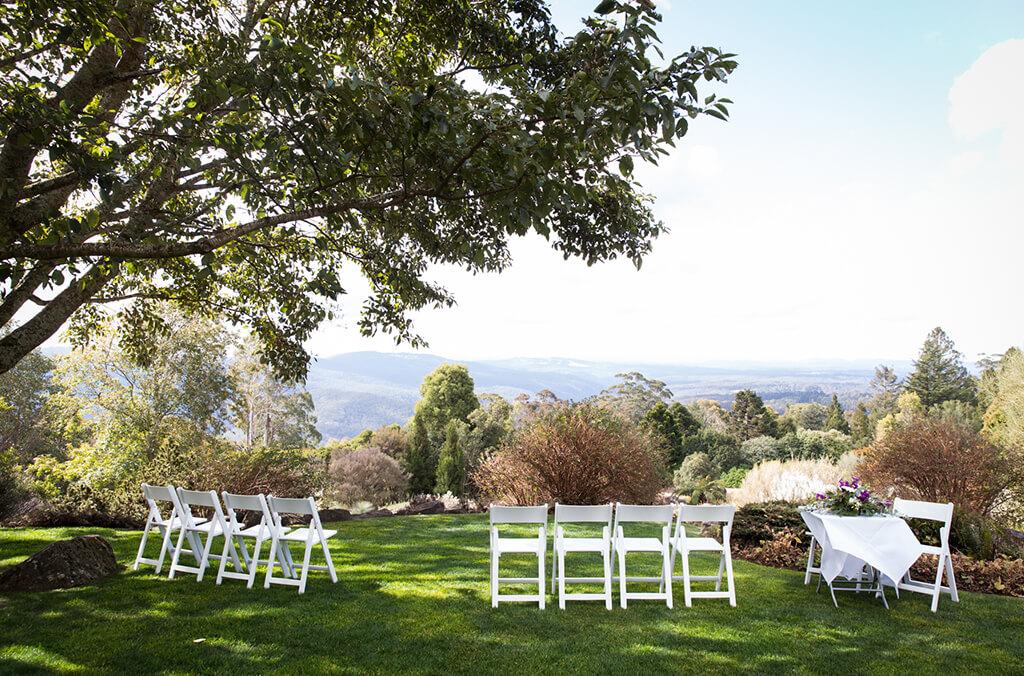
[
  {"x": 613, "y": 542},
  {"x": 226, "y": 523},
  {"x": 914, "y": 509}
]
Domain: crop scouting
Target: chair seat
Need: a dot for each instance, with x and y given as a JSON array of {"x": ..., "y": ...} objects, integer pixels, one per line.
[
  {"x": 300, "y": 534},
  {"x": 700, "y": 544},
  {"x": 583, "y": 544},
  {"x": 929, "y": 549},
  {"x": 639, "y": 544},
  {"x": 518, "y": 545},
  {"x": 175, "y": 523},
  {"x": 207, "y": 527},
  {"x": 255, "y": 531}
]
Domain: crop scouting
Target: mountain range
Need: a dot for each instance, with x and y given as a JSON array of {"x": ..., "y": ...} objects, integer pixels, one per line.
[{"x": 354, "y": 391}]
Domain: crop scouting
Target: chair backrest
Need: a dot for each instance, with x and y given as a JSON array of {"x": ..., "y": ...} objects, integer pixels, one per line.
[
  {"x": 721, "y": 514},
  {"x": 292, "y": 505},
  {"x": 583, "y": 513},
  {"x": 707, "y": 514},
  {"x": 253, "y": 503},
  {"x": 644, "y": 513},
  {"x": 918, "y": 509},
  {"x": 506, "y": 514},
  {"x": 187, "y": 499},
  {"x": 155, "y": 494}
]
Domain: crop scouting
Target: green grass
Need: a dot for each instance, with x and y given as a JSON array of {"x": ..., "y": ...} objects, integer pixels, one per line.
[{"x": 412, "y": 596}]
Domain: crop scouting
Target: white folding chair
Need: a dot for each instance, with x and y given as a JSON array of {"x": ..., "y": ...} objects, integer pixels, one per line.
[
  {"x": 683, "y": 544},
  {"x": 931, "y": 511},
  {"x": 261, "y": 532},
  {"x": 508, "y": 545},
  {"x": 602, "y": 545},
  {"x": 661, "y": 514},
  {"x": 156, "y": 520},
  {"x": 194, "y": 528},
  {"x": 313, "y": 534}
]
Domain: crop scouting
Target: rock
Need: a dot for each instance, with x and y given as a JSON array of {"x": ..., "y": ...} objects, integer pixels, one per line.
[
  {"x": 66, "y": 563},
  {"x": 426, "y": 507},
  {"x": 335, "y": 515}
]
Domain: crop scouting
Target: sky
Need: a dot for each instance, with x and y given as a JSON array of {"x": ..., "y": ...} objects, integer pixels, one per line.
[{"x": 867, "y": 188}]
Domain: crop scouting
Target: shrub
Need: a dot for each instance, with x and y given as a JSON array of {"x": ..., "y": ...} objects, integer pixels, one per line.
[
  {"x": 366, "y": 475},
  {"x": 734, "y": 477},
  {"x": 757, "y": 523},
  {"x": 451, "y": 466},
  {"x": 575, "y": 454},
  {"x": 800, "y": 445},
  {"x": 694, "y": 468},
  {"x": 723, "y": 449},
  {"x": 12, "y": 493},
  {"x": 282, "y": 472},
  {"x": 792, "y": 480},
  {"x": 941, "y": 460}
]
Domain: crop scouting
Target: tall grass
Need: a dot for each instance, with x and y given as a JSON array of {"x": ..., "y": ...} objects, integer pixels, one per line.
[{"x": 792, "y": 480}]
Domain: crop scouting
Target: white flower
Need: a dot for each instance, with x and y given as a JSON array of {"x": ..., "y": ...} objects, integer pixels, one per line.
[
  {"x": 854, "y": 502},
  {"x": 848, "y": 489}
]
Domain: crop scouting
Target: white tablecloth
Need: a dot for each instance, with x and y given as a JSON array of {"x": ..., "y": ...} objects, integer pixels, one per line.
[{"x": 884, "y": 542}]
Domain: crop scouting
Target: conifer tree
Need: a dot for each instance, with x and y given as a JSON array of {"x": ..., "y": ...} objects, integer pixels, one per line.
[
  {"x": 419, "y": 460},
  {"x": 939, "y": 373},
  {"x": 861, "y": 429},
  {"x": 836, "y": 419},
  {"x": 750, "y": 418},
  {"x": 451, "y": 467}
]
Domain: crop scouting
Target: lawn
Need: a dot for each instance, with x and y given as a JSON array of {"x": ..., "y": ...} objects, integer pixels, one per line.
[{"x": 413, "y": 597}]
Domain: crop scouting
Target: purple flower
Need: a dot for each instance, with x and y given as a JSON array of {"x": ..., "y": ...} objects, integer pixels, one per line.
[{"x": 820, "y": 496}]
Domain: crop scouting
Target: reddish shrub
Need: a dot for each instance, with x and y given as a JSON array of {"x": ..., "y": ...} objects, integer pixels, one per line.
[
  {"x": 940, "y": 460},
  {"x": 366, "y": 475},
  {"x": 575, "y": 454}
]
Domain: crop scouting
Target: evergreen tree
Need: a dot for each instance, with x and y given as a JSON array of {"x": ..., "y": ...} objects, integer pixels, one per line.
[
  {"x": 419, "y": 460},
  {"x": 446, "y": 395},
  {"x": 750, "y": 418},
  {"x": 451, "y": 467},
  {"x": 861, "y": 428},
  {"x": 939, "y": 373},
  {"x": 836, "y": 419},
  {"x": 685, "y": 421}
]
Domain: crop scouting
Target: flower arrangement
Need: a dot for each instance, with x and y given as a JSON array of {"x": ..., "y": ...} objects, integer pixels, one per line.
[{"x": 850, "y": 498}]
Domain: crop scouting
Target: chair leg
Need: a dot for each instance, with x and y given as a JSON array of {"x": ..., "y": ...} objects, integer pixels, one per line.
[
  {"x": 607, "y": 580},
  {"x": 494, "y": 579},
  {"x": 730, "y": 578},
  {"x": 721, "y": 568},
  {"x": 939, "y": 570},
  {"x": 142, "y": 544},
  {"x": 622, "y": 578},
  {"x": 270, "y": 562},
  {"x": 951, "y": 579},
  {"x": 305, "y": 566},
  {"x": 223, "y": 560},
  {"x": 206, "y": 556},
  {"x": 686, "y": 579},
  {"x": 554, "y": 565},
  {"x": 560, "y": 558},
  {"x": 666, "y": 574},
  {"x": 672, "y": 566},
  {"x": 810, "y": 562},
  {"x": 330, "y": 563},
  {"x": 177, "y": 553},
  {"x": 255, "y": 558},
  {"x": 540, "y": 577},
  {"x": 165, "y": 545}
]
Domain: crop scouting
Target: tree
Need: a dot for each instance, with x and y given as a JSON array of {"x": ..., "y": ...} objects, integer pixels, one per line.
[
  {"x": 635, "y": 394},
  {"x": 811, "y": 416},
  {"x": 659, "y": 419},
  {"x": 861, "y": 429},
  {"x": 489, "y": 425},
  {"x": 445, "y": 395},
  {"x": 419, "y": 460},
  {"x": 451, "y": 467},
  {"x": 390, "y": 440},
  {"x": 939, "y": 373},
  {"x": 886, "y": 388},
  {"x": 836, "y": 419},
  {"x": 710, "y": 414},
  {"x": 268, "y": 412},
  {"x": 232, "y": 157},
  {"x": 750, "y": 418},
  {"x": 24, "y": 391}
]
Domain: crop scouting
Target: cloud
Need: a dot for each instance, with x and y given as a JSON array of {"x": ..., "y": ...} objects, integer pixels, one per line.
[{"x": 989, "y": 97}]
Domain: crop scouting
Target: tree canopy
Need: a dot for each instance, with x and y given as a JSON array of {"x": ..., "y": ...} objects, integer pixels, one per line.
[
  {"x": 233, "y": 157},
  {"x": 939, "y": 373}
]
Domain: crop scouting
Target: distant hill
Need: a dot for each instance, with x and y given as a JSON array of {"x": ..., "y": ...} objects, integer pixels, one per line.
[{"x": 357, "y": 390}]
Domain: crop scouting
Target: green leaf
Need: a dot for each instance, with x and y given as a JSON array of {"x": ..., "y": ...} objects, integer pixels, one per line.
[
  {"x": 606, "y": 7},
  {"x": 626, "y": 165}
]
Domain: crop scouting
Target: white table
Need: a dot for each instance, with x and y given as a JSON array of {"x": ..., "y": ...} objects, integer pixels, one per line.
[{"x": 883, "y": 543}]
